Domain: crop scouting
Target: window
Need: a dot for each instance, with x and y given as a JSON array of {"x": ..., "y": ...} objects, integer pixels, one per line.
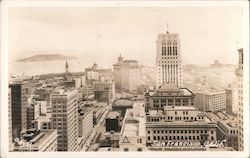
[
  {"x": 139, "y": 149},
  {"x": 148, "y": 132},
  {"x": 125, "y": 149},
  {"x": 148, "y": 138},
  {"x": 154, "y": 137}
]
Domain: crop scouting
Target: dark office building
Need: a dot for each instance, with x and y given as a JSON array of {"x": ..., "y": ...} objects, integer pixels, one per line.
[
  {"x": 113, "y": 121},
  {"x": 18, "y": 106}
]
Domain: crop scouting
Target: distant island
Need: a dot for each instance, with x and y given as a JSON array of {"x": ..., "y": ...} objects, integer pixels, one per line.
[{"x": 46, "y": 57}]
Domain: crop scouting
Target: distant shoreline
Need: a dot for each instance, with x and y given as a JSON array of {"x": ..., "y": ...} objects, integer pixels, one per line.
[{"x": 46, "y": 57}]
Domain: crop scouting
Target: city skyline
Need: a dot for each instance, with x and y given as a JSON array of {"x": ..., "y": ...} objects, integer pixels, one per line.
[
  {"x": 85, "y": 34},
  {"x": 126, "y": 79}
]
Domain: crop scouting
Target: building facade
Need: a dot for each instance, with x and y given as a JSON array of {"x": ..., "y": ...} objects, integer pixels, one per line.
[
  {"x": 113, "y": 121},
  {"x": 168, "y": 94},
  {"x": 85, "y": 125},
  {"x": 65, "y": 118},
  {"x": 239, "y": 75},
  {"x": 126, "y": 75},
  {"x": 10, "y": 120},
  {"x": 210, "y": 100},
  {"x": 168, "y": 59},
  {"x": 38, "y": 141},
  {"x": 227, "y": 128},
  {"x": 117, "y": 72},
  {"x": 132, "y": 135},
  {"x": 229, "y": 100},
  {"x": 179, "y": 124},
  {"x": 104, "y": 91},
  {"x": 19, "y": 101}
]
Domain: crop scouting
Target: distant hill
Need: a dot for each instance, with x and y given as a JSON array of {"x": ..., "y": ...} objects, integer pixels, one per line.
[{"x": 46, "y": 57}]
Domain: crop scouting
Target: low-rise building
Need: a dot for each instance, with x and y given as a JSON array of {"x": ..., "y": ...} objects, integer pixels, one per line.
[
  {"x": 179, "y": 124},
  {"x": 122, "y": 105},
  {"x": 33, "y": 140},
  {"x": 104, "y": 91},
  {"x": 227, "y": 128},
  {"x": 133, "y": 136},
  {"x": 43, "y": 122},
  {"x": 113, "y": 121},
  {"x": 168, "y": 94}
]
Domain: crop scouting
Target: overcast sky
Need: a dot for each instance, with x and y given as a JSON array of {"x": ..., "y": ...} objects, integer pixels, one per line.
[{"x": 100, "y": 34}]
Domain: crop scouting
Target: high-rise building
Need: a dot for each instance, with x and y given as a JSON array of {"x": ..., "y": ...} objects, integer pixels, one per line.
[
  {"x": 85, "y": 125},
  {"x": 168, "y": 59},
  {"x": 229, "y": 101},
  {"x": 117, "y": 72},
  {"x": 130, "y": 75},
  {"x": 10, "y": 120},
  {"x": 210, "y": 100},
  {"x": 126, "y": 75},
  {"x": 239, "y": 74},
  {"x": 65, "y": 118},
  {"x": 19, "y": 101}
]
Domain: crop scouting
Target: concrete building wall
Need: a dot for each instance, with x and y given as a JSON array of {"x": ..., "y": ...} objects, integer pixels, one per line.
[{"x": 168, "y": 59}]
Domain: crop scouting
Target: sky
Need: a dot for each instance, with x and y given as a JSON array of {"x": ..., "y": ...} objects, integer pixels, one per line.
[{"x": 101, "y": 34}]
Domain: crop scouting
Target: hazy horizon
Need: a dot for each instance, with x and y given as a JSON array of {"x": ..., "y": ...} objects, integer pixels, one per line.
[{"x": 100, "y": 34}]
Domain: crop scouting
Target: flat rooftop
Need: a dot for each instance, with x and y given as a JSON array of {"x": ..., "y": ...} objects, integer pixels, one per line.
[
  {"x": 44, "y": 118},
  {"x": 137, "y": 128},
  {"x": 113, "y": 114},
  {"x": 174, "y": 108},
  {"x": 223, "y": 118},
  {"x": 210, "y": 91},
  {"x": 123, "y": 102},
  {"x": 40, "y": 138}
]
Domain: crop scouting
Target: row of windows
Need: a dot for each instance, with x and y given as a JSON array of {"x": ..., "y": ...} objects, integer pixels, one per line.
[
  {"x": 178, "y": 138},
  {"x": 169, "y": 50},
  {"x": 176, "y": 118},
  {"x": 179, "y": 131}
]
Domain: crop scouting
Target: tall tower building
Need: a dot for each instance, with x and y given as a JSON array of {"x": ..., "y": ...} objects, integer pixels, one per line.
[
  {"x": 168, "y": 59},
  {"x": 66, "y": 68},
  {"x": 18, "y": 101},
  {"x": 239, "y": 75},
  {"x": 117, "y": 72},
  {"x": 65, "y": 118}
]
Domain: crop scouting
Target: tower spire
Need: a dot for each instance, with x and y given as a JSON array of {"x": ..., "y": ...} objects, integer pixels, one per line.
[
  {"x": 167, "y": 28},
  {"x": 66, "y": 67}
]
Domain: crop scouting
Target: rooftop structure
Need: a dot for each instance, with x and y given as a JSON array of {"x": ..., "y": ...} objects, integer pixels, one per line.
[
  {"x": 133, "y": 136},
  {"x": 168, "y": 94},
  {"x": 45, "y": 140}
]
